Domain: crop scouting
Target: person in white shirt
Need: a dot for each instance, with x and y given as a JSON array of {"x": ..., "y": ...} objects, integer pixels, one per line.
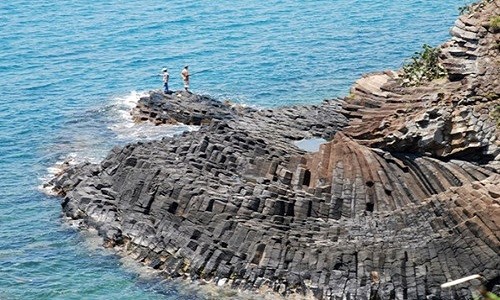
[
  {"x": 166, "y": 77},
  {"x": 185, "y": 78}
]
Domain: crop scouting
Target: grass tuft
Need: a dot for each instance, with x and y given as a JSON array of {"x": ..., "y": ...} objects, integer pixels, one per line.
[{"x": 424, "y": 66}]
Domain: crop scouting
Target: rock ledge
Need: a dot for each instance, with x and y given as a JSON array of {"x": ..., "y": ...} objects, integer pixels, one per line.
[{"x": 404, "y": 197}]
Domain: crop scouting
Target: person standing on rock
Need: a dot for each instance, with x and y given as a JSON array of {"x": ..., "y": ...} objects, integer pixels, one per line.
[
  {"x": 185, "y": 78},
  {"x": 166, "y": 77}
]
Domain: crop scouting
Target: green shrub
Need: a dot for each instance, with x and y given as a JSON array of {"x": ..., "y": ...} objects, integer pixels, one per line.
[
  {"x": 424, "y": 66},
  {"x": 467, "y": 9},
  {"x": 495, "y": 22}
]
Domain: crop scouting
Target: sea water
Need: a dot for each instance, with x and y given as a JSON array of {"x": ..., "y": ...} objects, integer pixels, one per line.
[{"x": 71, "y": 70}]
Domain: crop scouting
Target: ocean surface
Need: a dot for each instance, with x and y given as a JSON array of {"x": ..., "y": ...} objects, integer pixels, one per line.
[{"x": 71, "y": 70}]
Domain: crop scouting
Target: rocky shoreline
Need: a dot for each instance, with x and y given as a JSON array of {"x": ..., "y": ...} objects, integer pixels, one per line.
[{"x": 404, "y": 196}]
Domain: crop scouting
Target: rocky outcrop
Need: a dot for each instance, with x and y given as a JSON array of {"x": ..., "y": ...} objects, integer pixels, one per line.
[
  {"x": 444, "y": 118},
  {"x": 180, "y": 107},
  {"x": 404, "y": 197}
]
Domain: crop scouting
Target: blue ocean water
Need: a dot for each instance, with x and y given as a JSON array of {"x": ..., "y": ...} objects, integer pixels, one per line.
[{"x": 71, "y": 70}]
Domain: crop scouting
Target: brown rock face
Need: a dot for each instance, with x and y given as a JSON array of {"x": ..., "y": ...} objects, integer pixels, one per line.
[
  {"x": 405, "y": 195},
  {"x": 363, "y": 179},
  {"x": 444, "y": 118}
]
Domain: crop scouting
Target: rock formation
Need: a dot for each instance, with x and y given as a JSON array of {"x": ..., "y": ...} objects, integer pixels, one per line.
[{"x": 404, "y": 197}]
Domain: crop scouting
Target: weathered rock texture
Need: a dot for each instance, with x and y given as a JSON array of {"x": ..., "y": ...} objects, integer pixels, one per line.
[
  {"x": 448, "y": 118},
  {"x": 404, "y": 197}
]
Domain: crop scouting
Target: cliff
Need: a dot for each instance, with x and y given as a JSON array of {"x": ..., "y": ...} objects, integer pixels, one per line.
[{"x": 404, "y": 196}]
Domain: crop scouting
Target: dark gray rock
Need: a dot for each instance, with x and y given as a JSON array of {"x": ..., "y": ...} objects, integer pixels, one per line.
[{"x": 236, "y": 202}]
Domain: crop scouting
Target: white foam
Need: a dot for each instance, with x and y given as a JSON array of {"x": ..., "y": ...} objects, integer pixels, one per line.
[
  {"x": 86, "y": 146},
  {"x": 125, "y": 103},
  {"x": 54, "y": 170},
  {"x": 129, "y": 131}
]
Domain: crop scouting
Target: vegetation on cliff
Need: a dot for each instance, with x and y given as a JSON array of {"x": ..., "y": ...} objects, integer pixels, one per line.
[
  {"x": 467, "y": 9},
  {"x": 424, "y": 66},
  {"x": 495, "y": 23}
]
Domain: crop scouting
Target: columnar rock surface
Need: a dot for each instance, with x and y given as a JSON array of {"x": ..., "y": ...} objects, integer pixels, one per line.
[{"x": 404, "y": 197}]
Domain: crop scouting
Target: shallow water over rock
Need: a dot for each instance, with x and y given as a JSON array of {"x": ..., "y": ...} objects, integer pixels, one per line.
[{"x": 310, "y": 145}]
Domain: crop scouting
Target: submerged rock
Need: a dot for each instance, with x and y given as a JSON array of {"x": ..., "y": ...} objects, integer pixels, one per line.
[{"x": 404, "y": 196}]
